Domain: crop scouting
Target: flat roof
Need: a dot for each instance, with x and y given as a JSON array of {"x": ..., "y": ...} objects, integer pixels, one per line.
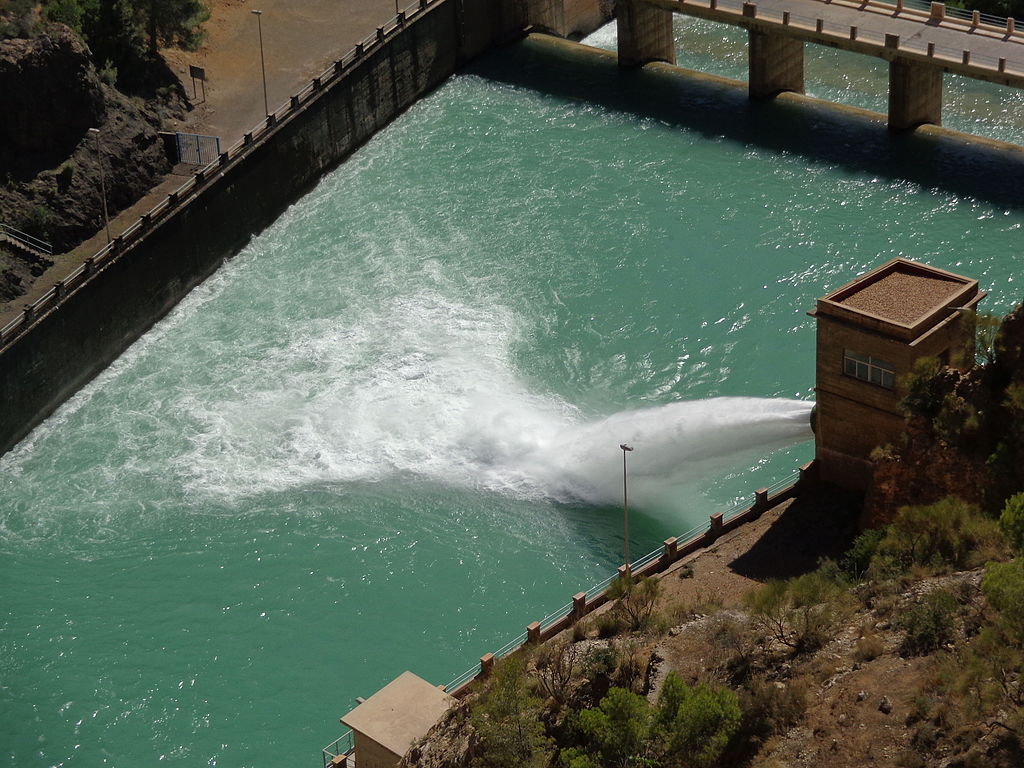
[
  {"x": 902, "y": 298},
  {"x": 399, "y": 713}
]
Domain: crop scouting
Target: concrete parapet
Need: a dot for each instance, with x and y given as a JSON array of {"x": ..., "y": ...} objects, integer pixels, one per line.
[
  {"x": 533, "y": 632},
  {"x": 486, "y": 664},
  {"x": 915, "y": 94},
  {"x": 645, "y": 34},
  {"x": 579, "y": 605},
  {"x": 776, "y": 64}
]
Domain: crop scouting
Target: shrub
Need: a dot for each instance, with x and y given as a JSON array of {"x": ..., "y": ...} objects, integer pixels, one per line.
[
  {"x": 636, "y": 598},
  {"x": 948, "y": 533},
  {"x": 108, "y": 73},
  {"x": 557, "y": 668},
  {"x": 1011, "y": 521},
  {"x": 799, "y": 613},
  {"x": 39, "y": 222},
  {"x": 66, "y": 12},
  {"x": 618, "y": 730},
  {"x": 1003, "y": 585},
  {"x": 580, "y": 630},
  {"x": 857, "y": 559},
  {"x": 608, "y": 623},
  {"x": 769, "y": 708},
  {"x": 868, "y": 648},
  {"x": 928, "y": 624}
]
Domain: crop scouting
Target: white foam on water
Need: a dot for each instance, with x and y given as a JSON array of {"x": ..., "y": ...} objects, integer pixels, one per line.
[{"x": 426, "y": 387}]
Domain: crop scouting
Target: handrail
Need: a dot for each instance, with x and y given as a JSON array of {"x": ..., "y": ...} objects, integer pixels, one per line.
[
  {"x": 343, "y": 745},
  {"x": 26, "y": 239},
  {"x": 786, "y": 484},
  {"x": 204, "y": 177}
]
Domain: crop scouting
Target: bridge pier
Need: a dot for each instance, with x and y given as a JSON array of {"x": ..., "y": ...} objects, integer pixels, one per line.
[
  {"x": 776, "y": 64},
  {"x": 645, "y": 33},
  {"x": 915, "y": 95}
]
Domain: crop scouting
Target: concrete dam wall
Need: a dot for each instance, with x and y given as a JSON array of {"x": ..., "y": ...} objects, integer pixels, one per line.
[{"x": 85, "y": 326}]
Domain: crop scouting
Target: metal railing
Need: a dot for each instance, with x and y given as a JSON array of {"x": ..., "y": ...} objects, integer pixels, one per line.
[
  {"x": 33, "y": 243},
  {"x": 207, "y": 176},
  {"x": 601, "y": 587},
  {"x": 343, "y": 745},
  {"x": 982, "y": 63}
]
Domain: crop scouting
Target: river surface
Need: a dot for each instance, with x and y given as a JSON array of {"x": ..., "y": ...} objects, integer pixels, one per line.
[{"x": 385, "y": 436}]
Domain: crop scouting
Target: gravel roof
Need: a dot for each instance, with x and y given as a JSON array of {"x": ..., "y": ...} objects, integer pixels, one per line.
[{"x": 903, "y": 297}]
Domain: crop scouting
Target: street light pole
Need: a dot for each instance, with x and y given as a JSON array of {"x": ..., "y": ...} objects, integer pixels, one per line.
[
  {"x": 625, "y": 506},
  {"x": 263, "y": 66},
  {"x": 103, "y": 181}
]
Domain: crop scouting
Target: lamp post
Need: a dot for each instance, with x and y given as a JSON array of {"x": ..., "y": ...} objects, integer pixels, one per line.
[
  {"x": 263, "y": 66},
  {"x": 103, "y": 181},
  {"x": 625, "y": 506}
]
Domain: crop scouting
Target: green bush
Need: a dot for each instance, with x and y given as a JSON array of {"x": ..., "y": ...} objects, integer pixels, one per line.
[
  {"x": 928, "y": 624},
  {"x": 949, "y": 533},
  {"x": 690, "y": 726},
  {"x": 1003, "y": 585},
  {"x": 1011, "y": 521}
]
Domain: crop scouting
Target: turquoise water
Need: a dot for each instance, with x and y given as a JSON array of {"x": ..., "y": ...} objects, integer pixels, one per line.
[{"x": 385, "y": 436}]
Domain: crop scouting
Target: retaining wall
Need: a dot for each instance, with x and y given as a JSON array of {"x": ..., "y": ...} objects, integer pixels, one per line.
[{"x": 81, "y": 325}]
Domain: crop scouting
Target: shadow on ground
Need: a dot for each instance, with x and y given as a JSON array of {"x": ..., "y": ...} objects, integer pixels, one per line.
[{"x": 819, "y": 524}]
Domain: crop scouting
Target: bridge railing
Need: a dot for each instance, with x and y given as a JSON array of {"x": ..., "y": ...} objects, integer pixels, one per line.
[
  {"x": 942, "y": 53},
  {"x": 205, "y": 177}
]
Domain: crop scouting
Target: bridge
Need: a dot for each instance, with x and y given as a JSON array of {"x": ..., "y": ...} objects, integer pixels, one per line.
[{"x": 920, "y": 44}]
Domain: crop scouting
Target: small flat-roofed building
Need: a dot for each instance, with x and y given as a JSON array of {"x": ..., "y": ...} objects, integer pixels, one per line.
[
  {"x": 389, "y": 722},
  {"x": 871, "y": 332}
]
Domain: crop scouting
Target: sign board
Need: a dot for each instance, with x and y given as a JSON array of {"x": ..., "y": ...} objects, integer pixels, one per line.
[{"x": 197, "y": 73}]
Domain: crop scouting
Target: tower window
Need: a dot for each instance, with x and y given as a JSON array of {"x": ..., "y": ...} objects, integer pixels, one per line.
[{"x": 870, "y": 369}]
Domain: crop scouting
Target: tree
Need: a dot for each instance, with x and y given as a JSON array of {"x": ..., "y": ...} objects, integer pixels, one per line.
[
  {"x": 508, "y": 722},
  {"x": 697, "y": 723},
  {"x": 170, "y": 22},
  {"x": 618, "y": 730}
]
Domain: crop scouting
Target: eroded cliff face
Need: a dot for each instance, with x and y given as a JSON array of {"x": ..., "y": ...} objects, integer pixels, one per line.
[
  {"x": 51, "y": 97},
  {"x": 50, "y": 165}
]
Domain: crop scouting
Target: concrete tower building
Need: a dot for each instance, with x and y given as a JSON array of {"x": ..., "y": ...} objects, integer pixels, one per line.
[{"x": 870, "y": 334}]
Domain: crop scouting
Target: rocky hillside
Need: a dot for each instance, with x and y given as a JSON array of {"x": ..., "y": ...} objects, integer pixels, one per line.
[
  {"x": 905, "y": 651},
  {"x": 49, "y": 162}
]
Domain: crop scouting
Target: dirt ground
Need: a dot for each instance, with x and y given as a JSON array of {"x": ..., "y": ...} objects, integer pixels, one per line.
[{"x": 300, "y": 39}]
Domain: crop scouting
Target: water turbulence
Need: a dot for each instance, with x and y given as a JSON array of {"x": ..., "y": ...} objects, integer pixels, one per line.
[{"x": 674, "y": 445}]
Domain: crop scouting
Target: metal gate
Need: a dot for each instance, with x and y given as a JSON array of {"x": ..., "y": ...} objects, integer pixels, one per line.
[{"x": 196, "y": 149}]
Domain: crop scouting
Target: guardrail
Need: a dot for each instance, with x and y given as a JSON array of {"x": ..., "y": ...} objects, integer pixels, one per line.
[
  {"x": 583, "y": 603},
  {"x": 343, "y": 746},
  {"x": 207, "y": 176},
  {"x": 813, "y": 27},
  {"x": 653, "y": 562},
  {"x": 33, "y": 243}
]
